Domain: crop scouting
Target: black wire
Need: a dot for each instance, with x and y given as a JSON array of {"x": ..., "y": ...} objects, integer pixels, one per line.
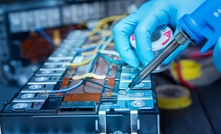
[{"x": 97, "y": 83}]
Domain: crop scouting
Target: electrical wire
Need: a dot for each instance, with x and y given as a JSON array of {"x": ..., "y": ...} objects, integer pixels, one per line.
[
  {"x": 45, "y": 35},
  {"x": 109, "y": 52},
  {"x": 117, "y": 62},
  {"x": 88, "y": 53},
  {"x": 94, "y": 37},
  {"x": 94, "y": 56},
  {"x": 97, "y": 83},
  {"x": 91, "y": 75},
  {"x": 107, "y": 42},
  {"x": 80, "y": 82},
  {"x": 94, "y": 52},
  {"x": 85, "y": 49},
  {"x": 85, "y": 61},
  {"x": 105, "y": 21}
]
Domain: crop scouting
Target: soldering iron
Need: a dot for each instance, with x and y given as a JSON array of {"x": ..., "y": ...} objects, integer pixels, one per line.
[{"x": 201, "y": 25}]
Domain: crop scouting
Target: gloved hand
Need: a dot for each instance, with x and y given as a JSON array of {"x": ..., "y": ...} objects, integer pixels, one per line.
[
  {"x": 143, "y": 22},
  {"x": 216, "y": 55}
]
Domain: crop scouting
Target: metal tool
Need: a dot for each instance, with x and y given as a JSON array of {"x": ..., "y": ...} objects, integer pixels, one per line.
[{"x": 202, "y": 24}]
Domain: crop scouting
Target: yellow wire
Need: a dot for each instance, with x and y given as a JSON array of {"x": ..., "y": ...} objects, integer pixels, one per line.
[
  {"x": 92, "y": 75},
  {"x": 87, "y": 60},
  {"x": 92, "y": 44},
  {"x": 94, "y": 37},
  {"x": 104, "y": 21},
  {"x": 88, "y": 53},
  {"x": 81, "y": 63},
  {"x": 97, "y": 47},
  {"x": 111, "y": 44},
  {"x": 57, "y": 37},
  {"x": 109, "y": 52},
  {"x": 190, "y": 70}
]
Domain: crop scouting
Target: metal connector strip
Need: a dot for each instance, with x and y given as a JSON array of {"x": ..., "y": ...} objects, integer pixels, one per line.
[
  {"x": 158, "y": 124},
  {"x": 0, "y": 128},
  {"x": 134, "y": 122},
  {"x": 102, "y": 122}
]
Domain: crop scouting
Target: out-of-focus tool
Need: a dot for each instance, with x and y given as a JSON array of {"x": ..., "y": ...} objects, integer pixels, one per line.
[
  {"x": 173, "y": 97},
  {"x": 199, "y": 26}
]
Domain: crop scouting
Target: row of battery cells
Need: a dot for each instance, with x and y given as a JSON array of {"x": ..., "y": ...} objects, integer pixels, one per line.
[
  {"x": 23, "y": 21},
  {"x": 53, "y": 17},
  {"x": 128, "y": 74},
  {"x": 29, "y": 20},
  {"x": 53, "y": 69}
]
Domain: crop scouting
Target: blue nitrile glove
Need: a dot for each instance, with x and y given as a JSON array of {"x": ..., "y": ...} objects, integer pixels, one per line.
[
  {"x": 216, "y": 55},
  {"x": 143, "y": 22}
]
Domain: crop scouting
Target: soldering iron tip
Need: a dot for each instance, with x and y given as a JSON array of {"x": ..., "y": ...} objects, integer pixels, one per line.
[{"x": 127, "y": 89}]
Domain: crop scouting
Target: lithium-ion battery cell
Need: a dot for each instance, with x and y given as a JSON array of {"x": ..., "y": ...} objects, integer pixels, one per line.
[
  {"x": 31, "y": 97},
  {"x": 140, "y": 104},
  {"x": 58, "y": 62},
  {"x": 53, "y": 67},
  {"x": 142, "y": 85},
  {"x": 128, "y": 78},
  {"x": 23, "y": 106},
  {"x": 44, "y": 80},
  {"x": 62, "y": 56},
  {"x": 49, "y": 73},
  {"x": 37, "y": 88},
  {"x": 136, "y": 95}
]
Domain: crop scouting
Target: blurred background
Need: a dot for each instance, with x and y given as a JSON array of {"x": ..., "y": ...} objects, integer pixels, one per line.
[{"x": 30, "y": 30}]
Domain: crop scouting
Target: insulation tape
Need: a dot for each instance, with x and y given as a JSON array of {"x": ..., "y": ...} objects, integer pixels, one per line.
[
  {"x": 190, "y": 70},
  {"x": 173, "y": 97}
]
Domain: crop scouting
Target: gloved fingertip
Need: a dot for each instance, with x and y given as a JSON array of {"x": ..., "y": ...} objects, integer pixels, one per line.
[
  {"x": 216, "y": 55},
  {"x": 130, "y": 58},
  {"x": 134, "y": 64}
]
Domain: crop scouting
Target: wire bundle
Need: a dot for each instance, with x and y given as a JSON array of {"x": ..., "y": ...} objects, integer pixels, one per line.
[{"x": 98, "y": 49}]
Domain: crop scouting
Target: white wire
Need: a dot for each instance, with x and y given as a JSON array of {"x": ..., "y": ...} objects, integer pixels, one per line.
[
  {"x": 109, "y": 52},
  {"x": 107, "y": 42}
]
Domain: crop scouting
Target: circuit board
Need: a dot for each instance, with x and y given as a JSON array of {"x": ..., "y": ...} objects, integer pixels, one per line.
[{"x": 80, "y": 89}]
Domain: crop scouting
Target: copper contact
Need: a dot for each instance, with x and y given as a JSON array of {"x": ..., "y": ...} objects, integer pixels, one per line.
[
  {"x": 111, "y": 81},
  {"x": 65, "y": 82},
  {"x": 82, "y": 97}
]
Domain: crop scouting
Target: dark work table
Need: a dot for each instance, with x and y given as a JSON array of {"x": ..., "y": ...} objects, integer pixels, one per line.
[{"x": 201, "y": 117}]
